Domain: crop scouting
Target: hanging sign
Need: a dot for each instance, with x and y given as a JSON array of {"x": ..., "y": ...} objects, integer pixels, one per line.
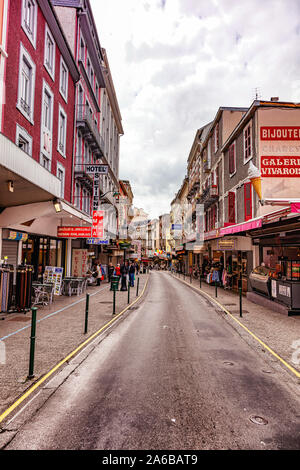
[
  {"x": 97, "y": 169},
  {"x": 97, "y": 224},
  {"x": 74, "y": 232}
]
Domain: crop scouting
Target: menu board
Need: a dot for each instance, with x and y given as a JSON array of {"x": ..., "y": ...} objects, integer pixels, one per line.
[
  {"x": 55, "y": 275},
  {"x": 79, "y": 262}
]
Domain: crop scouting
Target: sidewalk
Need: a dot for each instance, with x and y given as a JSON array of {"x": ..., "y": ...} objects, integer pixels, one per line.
[
  {"x": 59, "y": 330},
  {"x": 278, "y": 331}
]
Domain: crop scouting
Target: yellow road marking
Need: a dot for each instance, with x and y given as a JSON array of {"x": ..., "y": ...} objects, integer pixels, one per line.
[
  {"x": 45, "y": 377},
  {"x": 294, "y": 371}
]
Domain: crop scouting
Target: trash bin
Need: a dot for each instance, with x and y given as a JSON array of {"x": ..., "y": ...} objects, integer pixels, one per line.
[{"x": 114, "y": 283}]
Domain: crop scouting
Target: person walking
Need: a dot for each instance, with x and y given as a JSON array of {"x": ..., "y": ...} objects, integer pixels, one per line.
[
  {"x": 100, "y": 273},
  {"x": 131, "y": 274},
  {"x": 124, "y": 272},
  {"x": 117, "y": 272},
  {"x": 110, "y": 271}
]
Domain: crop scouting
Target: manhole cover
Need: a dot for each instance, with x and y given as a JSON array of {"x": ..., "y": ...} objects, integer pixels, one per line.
[
  {"x": 228, "y": 363},
  {"x": 22, "y": 319},
  {"x": 258, "y": 420}
]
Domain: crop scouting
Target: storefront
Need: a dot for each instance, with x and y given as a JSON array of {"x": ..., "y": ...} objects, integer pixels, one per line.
[{"x": 40, "y": 251}]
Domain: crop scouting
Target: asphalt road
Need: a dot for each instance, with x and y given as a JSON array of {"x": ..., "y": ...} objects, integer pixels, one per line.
[{"x": 172, "y": 375}]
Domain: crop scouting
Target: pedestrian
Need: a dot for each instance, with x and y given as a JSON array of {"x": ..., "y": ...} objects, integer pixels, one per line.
[
  {"x": 124, "y": 272},
  {"x": 100, "y": 273},
  {"x": 131, "y": 274},
  {"x": 110, "y": 271}
]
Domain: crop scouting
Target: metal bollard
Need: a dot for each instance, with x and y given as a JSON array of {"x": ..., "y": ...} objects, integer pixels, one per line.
[
  {"x": 216, "y": 287},
  {"x": 200, "y": 279},
  {"x": 240, "y": 293},
  {"x": 86, "y": 313},
  {"x": 114, "y": 303},
  {"x": 191, "y": 278},
  {"x": 32, "y": 343},
  {"x": 137, "y": 287},
  {"x": 128, "y": 292}
]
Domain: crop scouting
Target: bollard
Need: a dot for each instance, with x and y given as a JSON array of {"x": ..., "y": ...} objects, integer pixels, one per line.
[
  {"x": 128, "y": 292},
  {"x": 200, "y": 279},
  {"x": 137, "y": 287},
  {"x": 114, "y": 303},
  {"x": 240, "y": 293},
  {"x": 191, "y": 278},
  {"x": 86, "y": 313},
  {"x": 32, "y": 343},
  {"x": 216, "y": 287}
]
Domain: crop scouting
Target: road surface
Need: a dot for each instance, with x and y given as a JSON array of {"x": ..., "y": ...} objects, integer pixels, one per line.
[{"x": 173, "y": 374}]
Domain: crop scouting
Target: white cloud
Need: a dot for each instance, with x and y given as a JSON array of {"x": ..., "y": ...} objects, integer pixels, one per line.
[{"x": 174, "y": 62}]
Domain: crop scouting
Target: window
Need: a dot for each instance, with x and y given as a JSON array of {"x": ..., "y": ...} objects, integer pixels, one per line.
[
  {"x": 232, "y": 159},
  {"x": 62, "y": 132},
  {"x": 64, "y": 77},
  {"x": 25, "y": 102},
  {"x": 29, "y": 18},
  {"x": 77, "y": 195},
  {"x": 23, "y": 140},
  {"x": 247, "y": 143},
  {"x": 216, "y": 138},
  {"x": 248, "y": 201},
  {"x": 45, "y": 162},
  {"x": 46, "y": 122},
  {"x": 49, "y": 60},
  {"x": 82, "y": 51},
  {"x": 60, "y": 173},
  {"x": 231, "y": 207}
]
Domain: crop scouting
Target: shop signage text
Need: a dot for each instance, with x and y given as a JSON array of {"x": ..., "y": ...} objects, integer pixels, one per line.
[
  {"x": 18, "y": 236},
  {"x": 74, "y": 232},
  {"x": 100, "y": 169},
  {"x": 97, "y": 225},
  {"x": 280, "y": 133},
  {"x": 96, "y": 241},
  {"x": 280, "y": 166},
  {"x": 226, "y": 244}
]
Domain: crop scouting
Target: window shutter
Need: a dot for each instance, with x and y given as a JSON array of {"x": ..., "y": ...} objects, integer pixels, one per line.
[
  {"x": 231, "y": 159},
  {"x": 248, "y": 201},
  {"x": 231, "y": 207}
]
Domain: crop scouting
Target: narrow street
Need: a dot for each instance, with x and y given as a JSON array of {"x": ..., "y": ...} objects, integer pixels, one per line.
[{"x": 172, "y": 375}]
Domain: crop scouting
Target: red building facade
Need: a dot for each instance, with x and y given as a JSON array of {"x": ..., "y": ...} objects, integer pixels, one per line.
[{"x": 40, "y": 89}]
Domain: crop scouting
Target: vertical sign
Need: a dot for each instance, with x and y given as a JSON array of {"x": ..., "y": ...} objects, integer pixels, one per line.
[
  {"x": 97, "y": 225},
  {"x": 96, "y": 191}
]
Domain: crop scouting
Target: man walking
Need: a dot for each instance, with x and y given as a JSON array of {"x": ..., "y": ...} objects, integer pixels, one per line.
[{"x": 131, "y": 274}]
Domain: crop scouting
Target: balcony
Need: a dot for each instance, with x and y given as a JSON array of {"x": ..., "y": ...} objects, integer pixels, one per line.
[
  {"x": 194, "y": 186},
  {"x": 209, "y": 196},
  {"x": 84, "y": 121},
  {"x": 206, "y": 165},
  {"x": 84, "y": 178}
]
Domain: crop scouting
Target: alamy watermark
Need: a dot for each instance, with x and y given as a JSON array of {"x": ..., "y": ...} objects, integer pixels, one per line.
[
  {"x": 296, "y": 353},
  {"x": 2, "y": 353}
]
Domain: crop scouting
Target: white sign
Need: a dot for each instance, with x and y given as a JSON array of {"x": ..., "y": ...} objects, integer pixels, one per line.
[
  {"x": 100, "y": 169},
  {"x": 55, "y": 275},
  {"x": 273, "y": 284}
]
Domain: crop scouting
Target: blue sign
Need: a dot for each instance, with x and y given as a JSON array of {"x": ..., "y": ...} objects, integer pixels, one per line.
[
  {"x": 176, "y": 226},
  {"x": 96, "y": 241}
]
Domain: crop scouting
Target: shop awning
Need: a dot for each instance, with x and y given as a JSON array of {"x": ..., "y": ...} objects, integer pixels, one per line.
[
  {"x": 41, "y": 218},
  {"x": 243, "y": 227}
]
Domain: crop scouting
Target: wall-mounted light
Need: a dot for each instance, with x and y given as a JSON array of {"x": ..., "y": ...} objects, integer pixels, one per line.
[
  {"x": 10, "y": 184},
  {"x": 57, "y": 205}
]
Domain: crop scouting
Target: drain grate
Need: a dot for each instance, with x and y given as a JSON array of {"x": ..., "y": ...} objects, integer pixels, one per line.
[
  {"x": 105, "y": 302},
  {"x": 258, "y": 420}
]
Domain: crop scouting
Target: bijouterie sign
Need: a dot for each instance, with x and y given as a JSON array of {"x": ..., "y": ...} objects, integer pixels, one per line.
[
  {"x": 280, "y": 166},
  {"x": 280, "y": 133}
]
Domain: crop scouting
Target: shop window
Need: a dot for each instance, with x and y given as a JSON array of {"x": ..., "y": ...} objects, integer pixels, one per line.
[{"x": 248, "y": 201}]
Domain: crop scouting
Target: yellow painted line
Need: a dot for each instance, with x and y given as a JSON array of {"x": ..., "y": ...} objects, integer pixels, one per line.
[
  {"x": 294, "y": 371},
  {"x": 45, "y": 377}
]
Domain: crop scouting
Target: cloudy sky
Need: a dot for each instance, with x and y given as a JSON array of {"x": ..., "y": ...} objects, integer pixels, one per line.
[{"x": 175, "y": 62}]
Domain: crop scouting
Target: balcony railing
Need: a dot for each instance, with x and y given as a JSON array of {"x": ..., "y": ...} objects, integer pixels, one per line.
[
  {"x": 81, "y": 175},
  {"x": 209, "y": 196},
  {"x": 85, "y": 120}
]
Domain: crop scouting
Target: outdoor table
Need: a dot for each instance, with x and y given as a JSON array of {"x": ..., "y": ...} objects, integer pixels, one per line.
[{"x": 73, "y": 285}]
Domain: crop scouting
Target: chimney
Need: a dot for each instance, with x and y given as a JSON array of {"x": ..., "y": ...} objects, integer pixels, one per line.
[{"x": 275, "y": 98}]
